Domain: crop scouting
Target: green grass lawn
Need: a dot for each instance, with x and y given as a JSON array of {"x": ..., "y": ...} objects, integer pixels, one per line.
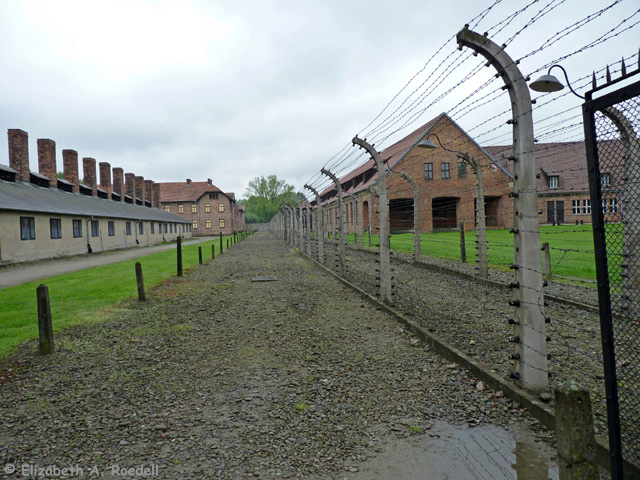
[
  {"x": 571, "y": 246},
  {"x": 80, "y": 297}
]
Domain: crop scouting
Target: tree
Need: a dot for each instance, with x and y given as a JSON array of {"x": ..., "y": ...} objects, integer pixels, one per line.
[{"x": 265, "y": 197}]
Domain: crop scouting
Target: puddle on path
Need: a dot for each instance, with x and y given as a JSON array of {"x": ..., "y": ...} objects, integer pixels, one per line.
[{"x": 462, "y": 453}]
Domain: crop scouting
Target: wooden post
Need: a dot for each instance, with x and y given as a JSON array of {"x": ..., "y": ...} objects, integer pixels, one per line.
[
  {"x": 213, "y": 251},
  {"x": 546, "y": 261},
  {"x": 221, "y": 243},
  {"x": 45, "y": 325},
  {"x": 140, "y": 281},
  {"x": 200, "y": 255},
  {"x": 227, "y": 244},
  {"x": 463, "y": 251},
  {"x": 179, "y": 253},
  {"x": 574, "y": 434}
]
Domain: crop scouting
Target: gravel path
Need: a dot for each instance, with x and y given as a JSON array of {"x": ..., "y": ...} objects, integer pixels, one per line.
[{"x": 221, "y": 377}]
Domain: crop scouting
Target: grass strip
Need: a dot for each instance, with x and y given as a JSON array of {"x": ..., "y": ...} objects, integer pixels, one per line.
[{"x": 80, "y": 297}]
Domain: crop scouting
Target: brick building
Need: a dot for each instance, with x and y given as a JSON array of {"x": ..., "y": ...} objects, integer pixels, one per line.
[
  {"x": 209, "y": 210},
  {"x": 446, "y": 184},
  {"x": 43, "y": 216}
]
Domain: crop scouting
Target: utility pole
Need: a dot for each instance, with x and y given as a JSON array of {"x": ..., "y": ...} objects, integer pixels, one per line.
[
  {"x": 529, "y": 338},
  {"x": 383, "y": 217}
]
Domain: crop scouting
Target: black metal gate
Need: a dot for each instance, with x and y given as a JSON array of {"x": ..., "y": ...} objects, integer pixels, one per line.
[{"x": 611, "y": 124}]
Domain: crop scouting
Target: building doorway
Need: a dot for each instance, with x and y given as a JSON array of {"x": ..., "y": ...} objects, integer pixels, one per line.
[
  {"x": 445, "y": 211},
  {"x": 401, "y": 215}
]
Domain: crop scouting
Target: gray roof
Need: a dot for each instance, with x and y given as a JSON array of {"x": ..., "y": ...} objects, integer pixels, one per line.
[{"x": 30, "y": 198}]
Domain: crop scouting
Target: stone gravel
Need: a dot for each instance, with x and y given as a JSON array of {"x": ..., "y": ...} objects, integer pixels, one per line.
[{"x": 217, "y": 376}]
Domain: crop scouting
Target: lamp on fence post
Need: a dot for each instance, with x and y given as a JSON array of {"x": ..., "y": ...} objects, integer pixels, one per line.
[
  {"x": 481, "y": 226},
  {"x": 529, "y": 339},
  {"x": 549, "y": 83}
]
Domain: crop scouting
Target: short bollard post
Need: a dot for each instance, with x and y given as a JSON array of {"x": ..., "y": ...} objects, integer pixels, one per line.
[
  {"x": 574, "y": 434},
  {"x": 140, "y": 281},
  {"x": 546, "y": 261},
  {"x": 227, "y": 244},
  {"x": 200, "y": 255},
  {"x": 463, "y": 250},
  {"x": 220, "y": 242},
  {"x": 45, "y": 325},
  {"x": 213, "y": 251},
  {"x": 179, "y": 253}
]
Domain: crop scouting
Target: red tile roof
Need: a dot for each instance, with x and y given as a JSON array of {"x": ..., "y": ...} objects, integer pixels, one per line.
[{"x": 181, "y": 192}]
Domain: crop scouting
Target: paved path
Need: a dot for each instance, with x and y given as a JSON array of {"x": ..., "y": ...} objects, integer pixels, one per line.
[{"x": 17, "y": 274}]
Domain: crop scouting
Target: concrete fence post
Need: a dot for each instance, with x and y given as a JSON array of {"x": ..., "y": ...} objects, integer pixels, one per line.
[
  {"x": 574, "y": 434},
  {"x": 308, "y": 229},
  {"x": 45, "y": 323},
  {"x": 179, "y": 255},
  {"x": 319, "y": 223},
  {"x": 546, "y": 260},
  {"x": 370, "y": 216},
  {"x": 341, "y": 233},
  {"x": 140, "y": 282},
  {"x": 383, "y": 217},
  {"x": 529, "y": 357},
  {"x": 463, "y": 249}
]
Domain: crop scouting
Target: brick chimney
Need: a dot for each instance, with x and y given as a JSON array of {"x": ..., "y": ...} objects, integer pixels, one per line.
[
  {"x": 118, "y": 181},
  {"x": 148, "y": 191},
  {"x": 129, "y": 188},
  {"x": 105, "y": 177},
  {"x": 47, "y": 161},
  {"x": 89, "y": 173},
  {"x": 209, "y": 181},
  {"x": 156, "y": 195},
  {"x": 139, "y": 183},
  {"x": 70, "y": 168},
  {"x": 188, "y": 182},
  {"x": 19, "y": 153}
]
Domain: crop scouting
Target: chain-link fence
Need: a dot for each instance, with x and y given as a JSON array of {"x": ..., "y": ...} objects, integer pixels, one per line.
[{"x": 613, "y": 149}]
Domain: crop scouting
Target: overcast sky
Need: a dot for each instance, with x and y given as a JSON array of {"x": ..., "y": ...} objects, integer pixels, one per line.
[{"x": 234, "y": 90}]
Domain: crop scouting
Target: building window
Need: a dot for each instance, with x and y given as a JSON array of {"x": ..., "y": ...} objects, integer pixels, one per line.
[
  {"x": 159, "y": 228},
  {"x": 180, "y": 208},
  {"x": 613, "y": 205},
  {"x": 95, "y": 228},
  {"x": 140, "y": 228},
  {"x": 77, "y": 228},
  {"x": 195, "y": 224},
  {"x": 27, "y": 228},
  {"x": 128, "y": 228},
  {"x": 165, "y": 228},
  {"x": 111, "y": 226},
  {"x": 207, "y": 208},
  {"x": 55, "y": 227},
  {"x": 462, "y": 170},
  {"x": 221, "y": 207},
  {"x": 208, "y": 223},
  {"x": 444, "y": 166},
  {"x": 576, "y": 207},
  {"x": 586, "y": 207},
  {"x": 605, "y": 180},
  {"x": 213, "y": 196},
  {"x": 428, "y": 171},
  {"x": 153, "y": 228},
  {"x": 194, "y": 208},
  {"x": 167, "y": 208},
  {"x": 553, "y": 181},
  {"x": 222, "y": 223}
]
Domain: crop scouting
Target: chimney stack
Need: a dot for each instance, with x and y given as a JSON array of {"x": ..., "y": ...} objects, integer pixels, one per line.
[
  {"x": 148, "y": 191},
  {"x": 19, "y": 153},
  {"x": 105, "y": 177},
  {"x": 118, "y": 179},
  {"x": 47, "y": 161},
  {"x": 156, "y": 195},
  {"x": 188, "y": 182},
  {"x": 129, "y": 184},
  {"x": 70, "y": 168},
  {"x": 209, "y": 181},
  {"x": 89, "y": 172},
  {"x": 139, "y": 183}
]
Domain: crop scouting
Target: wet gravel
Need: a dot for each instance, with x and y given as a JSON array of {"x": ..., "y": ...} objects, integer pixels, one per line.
[
  {"x": 474, "y": 318},
  {"x": 217, "y": 376}
]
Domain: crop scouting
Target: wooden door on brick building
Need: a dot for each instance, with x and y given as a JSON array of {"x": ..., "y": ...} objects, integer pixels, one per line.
[{"x": 555, "y": 212}]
